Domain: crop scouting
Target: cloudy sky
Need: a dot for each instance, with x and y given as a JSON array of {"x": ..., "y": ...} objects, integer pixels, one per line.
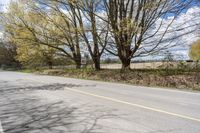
[
  {"x": 187, "y": 19},
  {"x": 2, "y": 3},
  {"x": 186, "y": 22}
]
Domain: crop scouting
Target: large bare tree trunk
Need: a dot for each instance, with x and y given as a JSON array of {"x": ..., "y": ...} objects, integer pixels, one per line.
[
  {"x": 97, "y": 63},
  {"x": 50, "y": 65},
  {"x": 125, "y": 56},
  {"x": 126, "y": 64}
]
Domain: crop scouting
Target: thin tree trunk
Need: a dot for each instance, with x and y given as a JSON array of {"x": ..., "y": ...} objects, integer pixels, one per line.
[
  {"x": 78, "y": 65},
  {"x": 78, "y": 62}
]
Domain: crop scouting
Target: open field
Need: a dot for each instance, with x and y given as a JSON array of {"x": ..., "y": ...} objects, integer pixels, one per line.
[{"x": 153, "y": 65}]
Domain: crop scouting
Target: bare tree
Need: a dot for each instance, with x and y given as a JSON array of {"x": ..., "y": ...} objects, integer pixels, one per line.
[
  {"x": 95, "y": 34},
  {"x": 132, "y": 25},
  {"x": 93, "y": 31},
  {"x": 82, "y": 26}
]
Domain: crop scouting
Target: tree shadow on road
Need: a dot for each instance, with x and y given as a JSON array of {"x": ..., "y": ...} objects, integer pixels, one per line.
[
  {"x": 24, "y": 113},
  {"x": 5, "y": 87}
]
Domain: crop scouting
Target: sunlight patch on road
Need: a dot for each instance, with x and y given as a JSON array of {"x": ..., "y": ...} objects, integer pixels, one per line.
[{"x": 1, "y": 128}]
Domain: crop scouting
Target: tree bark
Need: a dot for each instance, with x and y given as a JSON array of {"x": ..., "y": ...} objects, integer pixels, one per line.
[
  {"x": 78, "y": 62},
  {"x": 50, "y": 64},
  {"x": 78, "y": 65},
  {"x": 97, "y": 63},
  {"x": 126, "y": 64}
]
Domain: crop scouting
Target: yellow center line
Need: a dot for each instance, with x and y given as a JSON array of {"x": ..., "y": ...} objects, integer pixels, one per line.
[
  {"x": 127, "y": 103},
  {"x": 135, "y": 105}
]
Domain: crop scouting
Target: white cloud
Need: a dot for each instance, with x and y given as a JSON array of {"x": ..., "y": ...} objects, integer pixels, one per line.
[
  {"x": 184, "y": 30},
  {"x": 187, "y": 22},
  {"x": 3, "y": 4}
]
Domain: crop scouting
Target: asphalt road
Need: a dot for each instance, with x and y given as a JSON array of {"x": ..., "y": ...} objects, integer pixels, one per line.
[{"x": 45, "y": 104}]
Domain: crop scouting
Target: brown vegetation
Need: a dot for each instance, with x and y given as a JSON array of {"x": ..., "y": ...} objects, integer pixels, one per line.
[{"x": 172, "y": 78}]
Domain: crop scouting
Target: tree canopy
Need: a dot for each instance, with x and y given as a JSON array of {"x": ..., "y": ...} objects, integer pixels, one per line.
[{"x": 195, "y": 50}]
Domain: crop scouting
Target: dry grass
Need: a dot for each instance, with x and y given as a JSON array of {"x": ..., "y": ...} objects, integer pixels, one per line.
[{"x": 180, "y": 79}]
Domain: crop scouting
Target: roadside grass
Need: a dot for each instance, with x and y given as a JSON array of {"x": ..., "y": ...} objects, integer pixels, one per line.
[
  {"x": 186, "y": 79},
  {"x": 27, "y": 70}
]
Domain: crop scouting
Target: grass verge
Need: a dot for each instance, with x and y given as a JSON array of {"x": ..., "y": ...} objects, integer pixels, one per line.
[{"x": 173, "y": 78}]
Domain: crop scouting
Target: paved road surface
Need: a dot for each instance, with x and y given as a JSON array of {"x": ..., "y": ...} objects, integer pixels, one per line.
[{"x": 45, "y": 104}]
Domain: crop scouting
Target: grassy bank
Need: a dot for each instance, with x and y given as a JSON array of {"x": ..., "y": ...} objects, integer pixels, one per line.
[{"x": 173, "y": 78}]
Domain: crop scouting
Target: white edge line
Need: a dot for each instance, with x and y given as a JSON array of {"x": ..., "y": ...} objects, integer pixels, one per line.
[{"x": 136, "y": 105}]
